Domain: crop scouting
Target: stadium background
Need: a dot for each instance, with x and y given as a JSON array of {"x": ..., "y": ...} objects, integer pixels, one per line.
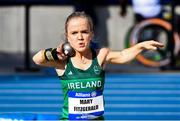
[{"x": 29, "y": 95}]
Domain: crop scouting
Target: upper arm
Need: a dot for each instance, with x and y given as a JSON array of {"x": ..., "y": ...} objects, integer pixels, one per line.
[
  {"x": 101, "y": 56},
  {"x": 105, "y": 55},
  {"x": 114, "y": 57}
]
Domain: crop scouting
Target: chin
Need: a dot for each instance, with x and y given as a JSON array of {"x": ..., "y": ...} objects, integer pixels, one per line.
[{"x": 82, "y": 49}]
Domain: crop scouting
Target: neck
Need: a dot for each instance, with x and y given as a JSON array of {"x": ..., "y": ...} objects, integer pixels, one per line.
[
  {"x": 84, "y": 54},
  {"x": 83, "y": 57}
]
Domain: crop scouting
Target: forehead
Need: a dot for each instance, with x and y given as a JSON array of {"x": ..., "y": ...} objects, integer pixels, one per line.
[{"x": 78, "y": 22}]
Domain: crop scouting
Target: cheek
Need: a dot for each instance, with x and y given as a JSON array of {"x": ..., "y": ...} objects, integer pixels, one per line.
[
  {"x": 89, "y": 37},
  {"x": 70, "y": 38},
  {"x": 72, "y": 42}
]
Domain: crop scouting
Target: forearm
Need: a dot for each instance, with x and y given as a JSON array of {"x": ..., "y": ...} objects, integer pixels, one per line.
[
  {"x": 124, "y": 56},
  {"x": 130, "y": 53},
  {"x": 41, "y": 60}
]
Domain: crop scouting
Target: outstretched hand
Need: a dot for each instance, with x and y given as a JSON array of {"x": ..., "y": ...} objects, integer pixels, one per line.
[{"x": 150, "y": 45}]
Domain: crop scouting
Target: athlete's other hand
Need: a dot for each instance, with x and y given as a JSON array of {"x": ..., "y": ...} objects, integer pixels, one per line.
[
  {"x": 150, "y": 45},
  {"x": 60, "y": 53}
]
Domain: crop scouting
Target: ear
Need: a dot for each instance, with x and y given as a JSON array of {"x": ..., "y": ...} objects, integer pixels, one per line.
[{"x": 92, "y": 35}]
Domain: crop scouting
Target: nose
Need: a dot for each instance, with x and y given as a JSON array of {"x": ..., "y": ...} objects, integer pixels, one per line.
[{"x": 80, "y": 37}]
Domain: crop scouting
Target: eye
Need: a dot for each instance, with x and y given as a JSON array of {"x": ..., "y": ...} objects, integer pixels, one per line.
[
  {"x": 86, "y": 32},
  {"x": 74, "y": 33}
]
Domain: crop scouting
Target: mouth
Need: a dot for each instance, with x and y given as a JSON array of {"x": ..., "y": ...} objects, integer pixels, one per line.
[{"x": 81, "y": 45}]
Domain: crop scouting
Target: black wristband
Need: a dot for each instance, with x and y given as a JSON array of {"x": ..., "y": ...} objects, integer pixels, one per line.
[
  {"x": 54, "y": 54},
  {"x": 50, "y": 54}
]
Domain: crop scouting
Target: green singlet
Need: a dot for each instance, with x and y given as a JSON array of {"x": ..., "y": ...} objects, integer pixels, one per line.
[{"x": 83, "y": 91}]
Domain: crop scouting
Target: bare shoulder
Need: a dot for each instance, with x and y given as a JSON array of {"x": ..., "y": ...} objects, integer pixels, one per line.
[
  {"x": 102, "y": 54},
  {"x": 103, "y": 50}
]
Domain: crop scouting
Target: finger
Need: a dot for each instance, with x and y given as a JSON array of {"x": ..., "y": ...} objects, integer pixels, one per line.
[
  {"x": 60, "y": 47},
  {"x": 157, "y": 44},
  {"x": 160, "y": 46},
  {"x": 59, "y": 51},
  {"x": 60, "y": 54},
  {"x": 62, "y": 57}
]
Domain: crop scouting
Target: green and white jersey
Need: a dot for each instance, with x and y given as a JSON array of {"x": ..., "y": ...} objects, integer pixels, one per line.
[{"x": 83, "y": 91}]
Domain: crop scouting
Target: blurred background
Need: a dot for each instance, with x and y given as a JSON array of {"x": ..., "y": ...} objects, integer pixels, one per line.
[
  {"x": 26, "y": 26},
  {"x": 30, "y": 25}
]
